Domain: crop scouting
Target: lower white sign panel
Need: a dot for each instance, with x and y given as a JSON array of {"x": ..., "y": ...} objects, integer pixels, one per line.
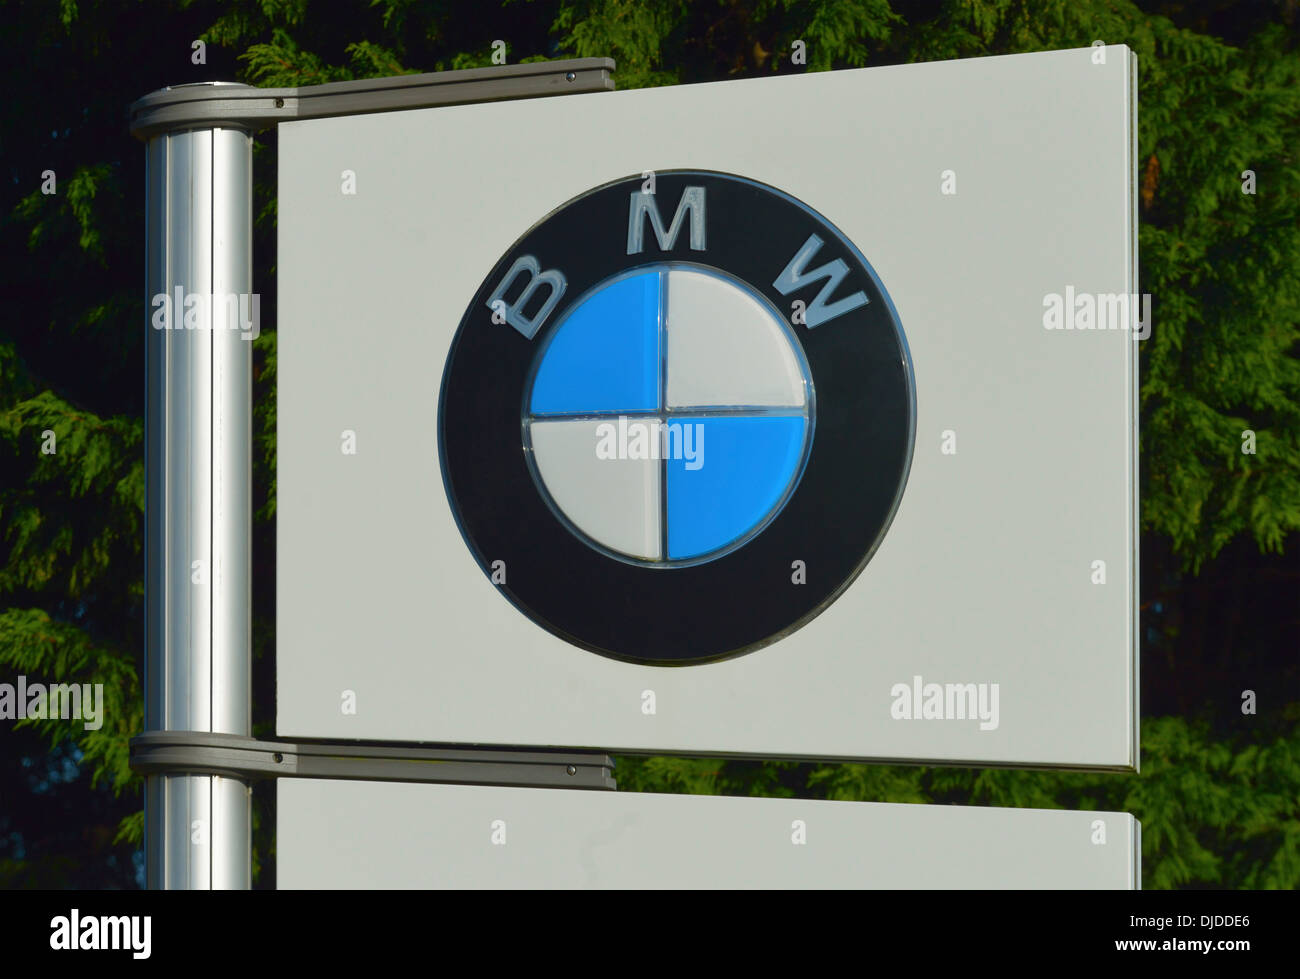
[{"x": 340, "y": 834}]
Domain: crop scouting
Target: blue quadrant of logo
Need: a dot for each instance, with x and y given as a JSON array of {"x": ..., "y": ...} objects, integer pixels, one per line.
[
  {"x": 604, "y": 357},
  {"x": 747, "y": 465}
]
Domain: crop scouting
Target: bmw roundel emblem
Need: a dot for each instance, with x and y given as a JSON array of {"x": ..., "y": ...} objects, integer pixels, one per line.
[{"x": 677, "y": 418}]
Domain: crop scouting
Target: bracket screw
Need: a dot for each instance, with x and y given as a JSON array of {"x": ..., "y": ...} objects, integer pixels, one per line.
[{"x": 572, "y": 769}]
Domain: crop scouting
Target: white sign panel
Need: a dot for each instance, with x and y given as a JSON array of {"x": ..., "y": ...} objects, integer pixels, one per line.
[
  {"x": 391, "y": 835},
  {"x": 781, "y": 417}
]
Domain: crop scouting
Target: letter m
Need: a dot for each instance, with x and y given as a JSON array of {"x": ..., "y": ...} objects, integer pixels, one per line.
[
  {"x": 644, "y": 205},
  {"x": 794, "y": 277},
  {"x": 961, "y": 701},
  {"x": 1112, "y": 311},
  {"x": 65, "y": 701},
  {"x": 118, "y": 931}
]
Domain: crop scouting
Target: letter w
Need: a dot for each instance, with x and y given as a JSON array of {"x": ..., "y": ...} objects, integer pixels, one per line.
[{"x": 794, "y": 277}]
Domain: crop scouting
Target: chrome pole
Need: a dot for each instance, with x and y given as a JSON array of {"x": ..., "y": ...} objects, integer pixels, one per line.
[{"x": 198, "y": 510}]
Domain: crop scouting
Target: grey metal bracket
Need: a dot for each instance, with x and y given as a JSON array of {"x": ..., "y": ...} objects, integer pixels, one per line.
[
  {"x": 196, "y": 752},
  {"x": 208, "y": 105}
]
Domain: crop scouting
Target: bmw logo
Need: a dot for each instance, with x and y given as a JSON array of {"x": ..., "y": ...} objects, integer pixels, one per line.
[{"x": 677, "y": 418}]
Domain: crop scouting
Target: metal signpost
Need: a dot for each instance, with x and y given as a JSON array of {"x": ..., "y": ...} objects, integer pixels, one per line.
[
  {"x": 198, "y": 592},
  {"x": 791, "y": 417},
  {"x": 199, "y": 439}
]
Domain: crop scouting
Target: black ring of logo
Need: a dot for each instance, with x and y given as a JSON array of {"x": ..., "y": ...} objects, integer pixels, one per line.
[{"x": 833, "y": 521}]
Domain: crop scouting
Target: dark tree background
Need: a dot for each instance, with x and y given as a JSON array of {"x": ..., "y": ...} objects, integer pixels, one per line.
[{"x": 1219, "y": 791}]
